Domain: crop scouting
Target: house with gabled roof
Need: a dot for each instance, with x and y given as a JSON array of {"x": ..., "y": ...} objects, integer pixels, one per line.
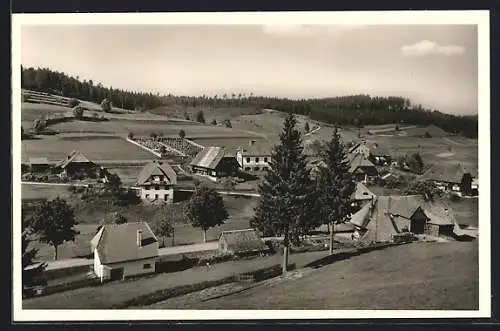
[
  {"x": 456, "y": 178},
  {"x": 377, "y": 153},
  {"x": 255, "y": 157},
  {"x": 387, "y": 216},
  {"x": 361, "y": 168},
  {"x": 214, "y": 163},
  {"x": 124, "y": 250},
  {"x": 157, "y": 181},
  {"x": 74, "y": 164},
  {"x": 361, "y": 196}
]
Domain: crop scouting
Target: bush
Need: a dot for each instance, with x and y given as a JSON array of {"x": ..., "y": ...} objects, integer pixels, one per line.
[{"x": 73, "y": 102}]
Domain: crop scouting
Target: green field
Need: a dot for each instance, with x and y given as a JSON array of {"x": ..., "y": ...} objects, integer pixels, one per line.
[
  {"x": 56, "y": 148},
  {"x": 433, "y": 276}
]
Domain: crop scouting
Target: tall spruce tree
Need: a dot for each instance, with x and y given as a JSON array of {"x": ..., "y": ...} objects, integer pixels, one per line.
[
  {"x": 285, "y": 204},
  {"x": 334, "y": 185}
]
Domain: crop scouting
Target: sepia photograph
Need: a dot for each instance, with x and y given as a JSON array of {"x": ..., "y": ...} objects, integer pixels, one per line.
[{"x": 251, "y": 165}]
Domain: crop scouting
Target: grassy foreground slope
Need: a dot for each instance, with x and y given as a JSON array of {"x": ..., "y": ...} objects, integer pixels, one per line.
[{"x": 435, "y": 276}]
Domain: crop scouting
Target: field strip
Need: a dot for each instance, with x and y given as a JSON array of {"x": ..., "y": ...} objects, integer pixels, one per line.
[
  {"x": 54, "y": 184},
  {"x": 452, "y": 141}
]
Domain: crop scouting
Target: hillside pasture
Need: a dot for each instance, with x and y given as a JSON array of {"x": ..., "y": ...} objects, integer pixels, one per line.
[
  {"x": 430, "y": 276},
  {"x": 56, "y": 148},
  {"x": 33, "y": 111},
  {"x": 431, "y": 149},
  {"x": 210, "y": 113},
  {"x": 231, "y": 144}
]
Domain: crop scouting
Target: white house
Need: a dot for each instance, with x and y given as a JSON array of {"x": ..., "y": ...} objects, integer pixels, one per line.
[
  {"x": 156, "y": 181},
  {"x": 124, "y": 250},
  {"x": 255, "y": 157}
]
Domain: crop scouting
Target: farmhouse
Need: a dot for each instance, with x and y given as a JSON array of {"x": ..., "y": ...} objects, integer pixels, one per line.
[
  {"x": 453, "y": 177},
  {"x": 241, "y": 242},
  {"x": 255, "y": 157},
  {"x": 76, "y": 164},
  {"x": 39, "y": 164},
  {"x": 124, "y": 250},
  {"x": 361, "y": 168},
  {"x": 375, "y": 152},
  {"x": 214, "y": 163},
  {"x": 387, "y": 216},
  {"x": 157, "y": 180}
]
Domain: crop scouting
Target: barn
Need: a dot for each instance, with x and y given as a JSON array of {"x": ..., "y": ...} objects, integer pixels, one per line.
[
  {"x": 456, "y": 178},
  {"x": 361, "y": 168},
  {"x": 214, "y": 163},
  {"x": 76, "y": 165},
  {"x": 241, "y": 242}
]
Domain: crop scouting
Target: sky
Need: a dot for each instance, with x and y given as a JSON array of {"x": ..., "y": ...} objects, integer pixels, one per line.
[{"x": 435, "y": 65}]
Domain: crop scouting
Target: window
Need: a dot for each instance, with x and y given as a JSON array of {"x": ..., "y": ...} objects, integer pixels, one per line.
[
  {"x": 256, "y": 168},
  {"x": 248, "y": 159},
  {"x": 146, "y": 266},
  {"x": 265, "y": 159},
  {"x": 147, "y": 196},
  {"x": 257, "y": 159},
  {"x": 165, "y": 197},
  {"x": 157, "y": 178},
  {"x": 157, "y": 187},
  {"x": 248, "y": 168},
  {"x": 156, "y": 196}
]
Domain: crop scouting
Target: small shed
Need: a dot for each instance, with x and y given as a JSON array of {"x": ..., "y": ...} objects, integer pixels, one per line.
[
  {"x": 39, "y": 164},
  {"x": 241, "y": 242}
]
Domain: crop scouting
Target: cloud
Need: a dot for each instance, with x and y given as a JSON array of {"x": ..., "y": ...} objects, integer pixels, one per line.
[
  {"x": 297, "y": 30},
  {"x": 426, "y": 47}
]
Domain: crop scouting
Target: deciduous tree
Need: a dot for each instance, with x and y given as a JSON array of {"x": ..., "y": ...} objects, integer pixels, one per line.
[
  {"x": 206, "y": 209},
  {"x": 54, "y": 221}
]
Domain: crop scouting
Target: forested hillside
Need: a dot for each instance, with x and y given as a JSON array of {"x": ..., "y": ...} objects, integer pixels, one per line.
[{"x": 357, "y": 110}]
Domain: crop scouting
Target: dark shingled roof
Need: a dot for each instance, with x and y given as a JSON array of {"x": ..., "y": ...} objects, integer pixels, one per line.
[
  {"x": 375, "y": 149},
  {"x": 209, "y": 157},
  {"x": 376, "y": 217},
  {"x": 358, "y": 160},
  {"x": 242, "y": 241},
  {"x": 73, "y": 157},
  {"x": 118, "y": 242},
  {"x": 259, "y": 148},
  {"x": 451, "y": 173},
  {"x": 157, "y": 168}
]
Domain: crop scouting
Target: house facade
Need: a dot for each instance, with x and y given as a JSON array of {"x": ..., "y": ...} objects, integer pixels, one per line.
[
  {"x": 124, "y": 250},
  {"x": 156, "y": 182},
  {"x": 214, "y": 163},
  {"x": 255, "y": 157}
]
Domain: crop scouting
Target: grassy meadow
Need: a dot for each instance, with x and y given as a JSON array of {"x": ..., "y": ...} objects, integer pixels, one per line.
[{"x": 433, "y": 276}]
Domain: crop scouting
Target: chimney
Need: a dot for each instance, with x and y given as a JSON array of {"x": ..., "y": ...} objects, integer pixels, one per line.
[{"x": 139, "y": 238}]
